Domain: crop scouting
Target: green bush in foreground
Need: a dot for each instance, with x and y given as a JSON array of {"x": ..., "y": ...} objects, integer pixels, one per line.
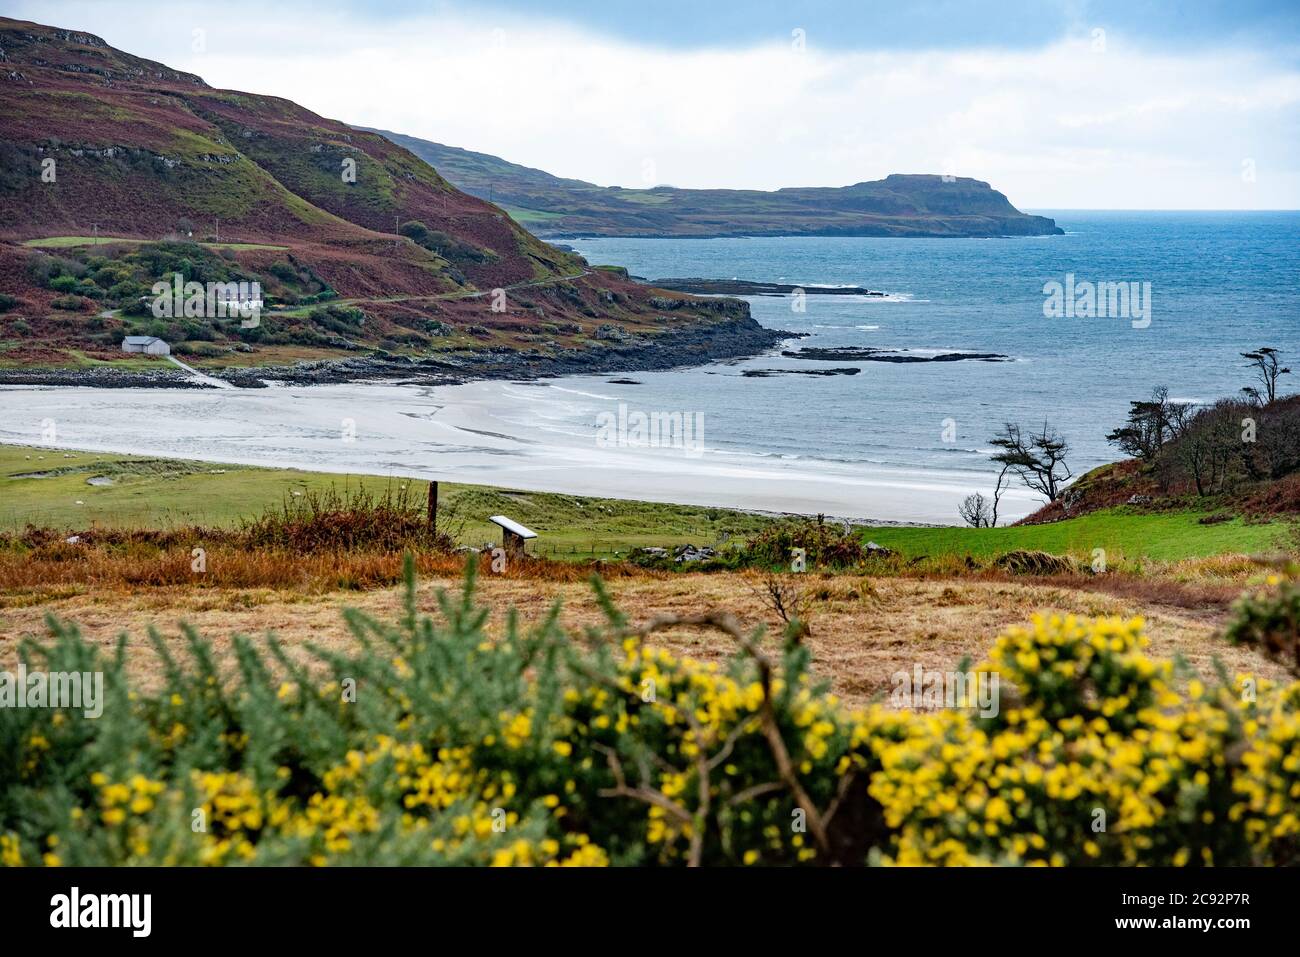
[{"x": 431, "y": 744}]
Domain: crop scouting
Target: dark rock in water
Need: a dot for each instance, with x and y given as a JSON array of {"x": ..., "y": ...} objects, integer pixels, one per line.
[
  {"x": 743, "y": 287},
  {"x": 854, "y": 354},
  {"x": 623, "y": 381},
  {"x": 764, "y": 373},
  {"x": 839, "y": 353}
]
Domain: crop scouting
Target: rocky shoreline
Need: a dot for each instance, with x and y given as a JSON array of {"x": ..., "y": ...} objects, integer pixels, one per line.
[
  {"x": 841, "y": 353},
  {"x": 746, "y": 287},
  {"x": 696, "y": 345}
]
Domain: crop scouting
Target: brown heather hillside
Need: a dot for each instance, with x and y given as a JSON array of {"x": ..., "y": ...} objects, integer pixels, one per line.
[
  {"x": 146, "y": 153},
  {"x": 141, "y": 149},
  {"x": 1258, "y": 479}
]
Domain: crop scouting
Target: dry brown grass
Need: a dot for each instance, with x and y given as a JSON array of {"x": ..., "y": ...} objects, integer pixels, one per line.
[
  {"x": 28, "y": 576},
  {"x": 863, "y": 629}
]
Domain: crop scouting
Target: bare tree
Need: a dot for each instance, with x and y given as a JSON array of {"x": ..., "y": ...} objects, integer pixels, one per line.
[
  {"x": 976, "y": 511},
  {"x": 1267, "y": 365},
  {"x": 789, "y": 602},
  {"x": 1037, "y": 458}
]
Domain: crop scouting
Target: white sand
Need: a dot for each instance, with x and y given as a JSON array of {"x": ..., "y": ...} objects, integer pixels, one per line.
[{"x": 487, "y": 433}]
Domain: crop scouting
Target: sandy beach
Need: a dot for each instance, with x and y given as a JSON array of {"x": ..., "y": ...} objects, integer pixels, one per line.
[{"x": 513, "y": 435}]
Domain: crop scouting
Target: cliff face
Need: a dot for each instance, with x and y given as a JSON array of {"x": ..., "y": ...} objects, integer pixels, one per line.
[{"x": 899, "y": 205}]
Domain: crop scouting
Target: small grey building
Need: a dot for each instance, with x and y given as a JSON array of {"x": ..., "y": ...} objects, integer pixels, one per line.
[{"x": 149, "y": 345}]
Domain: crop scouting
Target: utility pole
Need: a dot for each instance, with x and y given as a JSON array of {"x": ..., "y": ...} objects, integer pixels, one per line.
[
  {"x": 95, "y": 227},
  {"x": 217, "y": 231},
  {"x": 397, "y": 230}
]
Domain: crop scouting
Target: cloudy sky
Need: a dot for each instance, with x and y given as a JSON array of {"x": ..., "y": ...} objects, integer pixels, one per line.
[{"x": 1141, "y": 104}]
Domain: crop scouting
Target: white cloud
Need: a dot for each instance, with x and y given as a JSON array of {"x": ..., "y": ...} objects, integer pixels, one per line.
[{"x": 1061, "y": 126}]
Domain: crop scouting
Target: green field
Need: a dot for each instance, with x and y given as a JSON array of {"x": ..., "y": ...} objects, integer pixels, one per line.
[
  {"x": 1124, "y": 534},
  {"x": 526, "y": 216},
  {"x": 50, "y": 487}
]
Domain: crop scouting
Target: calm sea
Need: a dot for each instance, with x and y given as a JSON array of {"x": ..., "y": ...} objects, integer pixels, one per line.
[
  {"x": 899, "y": 442},
  {"x": 1221, "y": 283}
]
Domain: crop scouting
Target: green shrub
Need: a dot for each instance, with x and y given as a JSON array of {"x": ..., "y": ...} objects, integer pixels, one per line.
[
  {"x": 345, "y": 320},
  {"x": 446, "y": 246},
  {"x": 71, "y": 303},
  {"x": 823, "y": 545}
]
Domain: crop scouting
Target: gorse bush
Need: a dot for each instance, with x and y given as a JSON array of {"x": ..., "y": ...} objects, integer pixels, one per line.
[
  {"x": 1270, "y": 622},
  {"x": 823, "y": 545},
  {"x": 432, "y": 744}
]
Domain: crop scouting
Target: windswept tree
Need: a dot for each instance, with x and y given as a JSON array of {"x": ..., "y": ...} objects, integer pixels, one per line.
[
  {"x": 1036, "y": 458},
  {"x": 1151, "y": 423},
  {"x": 1266, "y": 363}
]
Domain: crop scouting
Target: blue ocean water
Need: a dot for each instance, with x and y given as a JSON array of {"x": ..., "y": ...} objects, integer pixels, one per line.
[{"x": 1221, "y": 283}]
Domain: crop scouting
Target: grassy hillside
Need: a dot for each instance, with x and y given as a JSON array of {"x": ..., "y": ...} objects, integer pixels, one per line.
[
  {"x": 98, "y": 292},
  {"x": 140, "y": 149},
  {"x": 117, "y": 171},
  {"x": 900, "y": 205}
]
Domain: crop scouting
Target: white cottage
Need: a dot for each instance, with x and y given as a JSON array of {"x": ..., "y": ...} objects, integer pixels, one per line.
[{"x": 149, "y": 345}]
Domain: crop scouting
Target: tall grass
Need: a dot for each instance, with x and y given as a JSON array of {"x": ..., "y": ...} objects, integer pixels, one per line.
[
  {"x": 330, "y": 520},
  {"x": 316, "y": 541}
]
